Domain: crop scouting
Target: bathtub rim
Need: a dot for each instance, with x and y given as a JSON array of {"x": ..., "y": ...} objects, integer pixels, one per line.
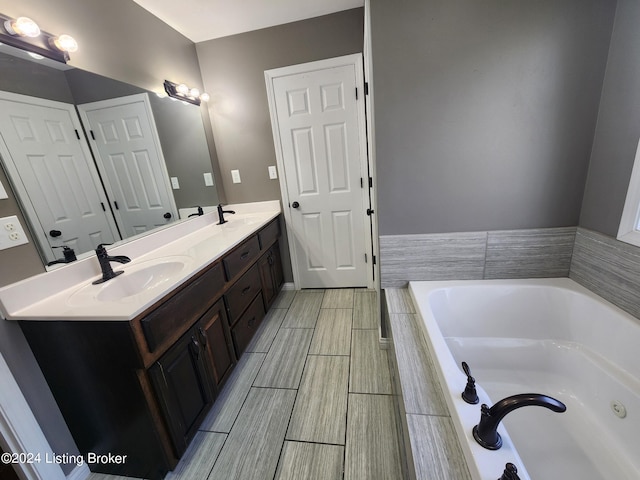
[{"x": 482, "y": 463}]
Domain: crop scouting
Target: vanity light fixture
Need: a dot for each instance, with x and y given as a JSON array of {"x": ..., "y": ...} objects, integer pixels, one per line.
[
  {"x": 24, "y": 33},
  {"x": 184, "y": 93}
]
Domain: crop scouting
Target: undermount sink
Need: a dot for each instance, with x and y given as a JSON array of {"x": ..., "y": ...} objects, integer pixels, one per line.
[
  {"x": 136, "y": 279},
  {"x": 236, "y": 221}
]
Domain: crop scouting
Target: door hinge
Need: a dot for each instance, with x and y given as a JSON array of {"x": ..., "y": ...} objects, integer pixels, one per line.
[
  {"x": 361, "y": 183},
  {"x": 92, "y": 135},
  {"x": 366, "y": 259},
  {"x": 103, "y": 208},
  {"x": 356, "y": 93},
  {"x": 374, "y": 259},
  {"x": 370, "y": 182},
  {"x": 77, "y": 134},
  {"x": 370, "y": 211},
  {"x": 366, "y": 88}
]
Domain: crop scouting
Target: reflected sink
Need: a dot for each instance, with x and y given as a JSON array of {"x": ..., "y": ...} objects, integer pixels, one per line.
[{"x": 143, "y": 277}]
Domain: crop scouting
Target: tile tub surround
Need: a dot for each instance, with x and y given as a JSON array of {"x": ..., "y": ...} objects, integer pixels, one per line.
[
  {"x": 426, "y": 432},
  {"x": 531, "y": 253},
  {"x": 318, "y": 429},
  {"x": 609, "y": 268},
  {"x": 45, "y": 296}
]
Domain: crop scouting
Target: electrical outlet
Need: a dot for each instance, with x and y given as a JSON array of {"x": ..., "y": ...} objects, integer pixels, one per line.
[
  {"x": 11, "y": 233},
  {"x": 208, "y": 179},
  {"x": 175, "y": 184},
  {"x": 235, "y": 176},
  {"x": 273, "y": 173}
]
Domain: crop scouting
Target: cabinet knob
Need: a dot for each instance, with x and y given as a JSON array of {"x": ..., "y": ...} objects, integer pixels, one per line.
[{"x": 195, "y": 346}]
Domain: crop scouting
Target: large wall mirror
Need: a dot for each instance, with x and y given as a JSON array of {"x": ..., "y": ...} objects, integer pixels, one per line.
[{"x": 120, "y": 191}]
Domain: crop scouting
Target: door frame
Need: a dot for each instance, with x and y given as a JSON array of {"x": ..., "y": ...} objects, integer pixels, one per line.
[
  {"x": 118, "y": 102},
  {"x": 22, "y": 193},
  {"x": 356, "y": 61}
]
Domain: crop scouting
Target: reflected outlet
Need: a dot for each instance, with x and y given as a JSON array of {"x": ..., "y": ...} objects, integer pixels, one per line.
[{"x": 11, "y": 233}]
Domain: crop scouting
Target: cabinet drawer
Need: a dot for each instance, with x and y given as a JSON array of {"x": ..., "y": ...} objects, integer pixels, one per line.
[
  {"x": 183, "y": 309},
  {"x": 242, "y": 256},
  {"x": 269, "y": 234},
  {"x": 246, "y": 327},
  {"x": 243, "y": 291}
]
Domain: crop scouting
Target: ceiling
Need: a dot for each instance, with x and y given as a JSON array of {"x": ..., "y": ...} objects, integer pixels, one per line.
[{"x": 201, "y": 20}]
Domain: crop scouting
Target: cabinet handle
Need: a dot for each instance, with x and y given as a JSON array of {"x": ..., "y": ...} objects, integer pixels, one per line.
[
  {"x": 251, "y": 322},
  {"x": 164, "y": 378},
  {"x": 270, "y": 259},
  {"x": 246, "y": 290},
  {"x": 195, "y": 346},
  {"x": 244, "y": 255},
  {"x": 203, "y": 336}
]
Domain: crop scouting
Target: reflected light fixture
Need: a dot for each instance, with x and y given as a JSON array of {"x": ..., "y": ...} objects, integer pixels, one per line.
[
  {"x": 25, "y": 34},
  {"x": 180, "y": 91}
]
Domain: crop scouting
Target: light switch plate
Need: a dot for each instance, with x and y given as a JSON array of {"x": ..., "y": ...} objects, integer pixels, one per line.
[
  {"x": 11, "y": 233},
  {"x": 235, "y": 176},
  {"x": 273, "y": 173},
  {"x": 3, "y": 192},
  {"x": 208, "y": 179},
  {"x": 175, "y": 184}
]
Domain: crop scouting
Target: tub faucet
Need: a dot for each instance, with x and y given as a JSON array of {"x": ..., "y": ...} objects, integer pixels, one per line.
[
  {"x": 510, "y": 472},
  {"x": 105, "y": 263},
  {"x": 486, "y": 432},
  {"x": 221, "y": 213}
]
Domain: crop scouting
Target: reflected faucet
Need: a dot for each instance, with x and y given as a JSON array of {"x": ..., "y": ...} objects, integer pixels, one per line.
[
  {"x": 199, "y": 213},
  {"x": 486, "y": 432},
  {"x": 105, "y": 263},
  {"x": 69, "y": 256},
  {"x": 221, "y": 213}
]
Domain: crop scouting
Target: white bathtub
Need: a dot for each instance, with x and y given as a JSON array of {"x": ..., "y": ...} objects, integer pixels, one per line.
[{"x": 548, "y": 336}]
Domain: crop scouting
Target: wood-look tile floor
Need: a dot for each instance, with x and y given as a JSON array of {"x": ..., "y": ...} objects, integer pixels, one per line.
[{"x": 310, "y": 399}]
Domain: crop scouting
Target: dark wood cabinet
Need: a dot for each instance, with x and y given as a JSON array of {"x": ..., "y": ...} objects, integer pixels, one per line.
[
  {"x": 271, "y": 275},
  {"x": 216, "y": 341},
  {"x": 141, "y": 387},
  {"x": 184, "y": 388}
]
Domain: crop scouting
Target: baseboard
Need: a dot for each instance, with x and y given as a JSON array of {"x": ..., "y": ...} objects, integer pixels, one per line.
[
  {"x": 288, "y": 286},
  {"x": 81, "y": 472},
  {"x": 385, "y": 343}
]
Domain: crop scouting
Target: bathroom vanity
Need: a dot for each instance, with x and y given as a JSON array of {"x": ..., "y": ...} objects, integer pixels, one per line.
[{"x": 137, "y": 378}]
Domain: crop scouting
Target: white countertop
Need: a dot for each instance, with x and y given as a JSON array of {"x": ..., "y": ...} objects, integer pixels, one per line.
[{"x": 67, "y": 293}]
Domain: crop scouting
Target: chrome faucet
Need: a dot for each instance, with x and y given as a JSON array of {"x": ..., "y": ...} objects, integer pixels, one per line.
[
  {"x": 221, "y": 213},
  {"x": 105, "y": 263},
  {"x": 486, "y": 432}
]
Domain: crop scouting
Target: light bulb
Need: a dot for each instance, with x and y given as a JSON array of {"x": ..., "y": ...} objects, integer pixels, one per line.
[
  {"x": 182, "y": 89},
  {"x": 65, "y": 43},
  {"x": 22, "y": 26},
  {"x": 194, "y": 92},
  {"x": 205, "y": 97}
]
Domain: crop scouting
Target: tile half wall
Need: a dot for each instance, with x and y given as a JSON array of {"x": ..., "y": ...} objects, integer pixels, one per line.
[{"x": 532, "y": 253}]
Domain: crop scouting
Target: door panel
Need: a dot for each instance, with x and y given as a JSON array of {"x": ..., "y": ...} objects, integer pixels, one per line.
[
  {"x": 61, "y": 182},
  {"x": 318, "y": 123},
  {"x": 130, "y": 158}
]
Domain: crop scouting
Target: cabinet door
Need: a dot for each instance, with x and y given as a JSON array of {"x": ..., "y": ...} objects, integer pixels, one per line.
[
  {"x": 183, "y": 388},
  {"x": 213, "y": 330},
  {"x": 271, "y": 275}
]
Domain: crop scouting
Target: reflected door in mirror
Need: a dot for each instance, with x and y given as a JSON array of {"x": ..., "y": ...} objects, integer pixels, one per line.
[
  {"x": 130, "y": 160},
  {"x": 45, "y": 156}
]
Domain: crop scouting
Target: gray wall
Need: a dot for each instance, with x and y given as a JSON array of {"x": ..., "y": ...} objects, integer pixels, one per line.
[
  {"x": 120, "y": 40},
  {"x": 233, "y": 71},
  {"x": 618, "y": 129},
  {"x": 485, "y": 111}
]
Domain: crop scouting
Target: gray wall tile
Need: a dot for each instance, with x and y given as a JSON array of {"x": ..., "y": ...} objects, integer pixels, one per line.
[
  {"x": 530, "y": 253},
  {"x": 609, "y": 268},
  {"x": 431, "y": 257},
  {"x": 537, "y": 253}
]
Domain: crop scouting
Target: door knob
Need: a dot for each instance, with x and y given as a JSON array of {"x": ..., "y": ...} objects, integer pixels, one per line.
[
  {"x": 167, "y": 215},
  {"x": 55, "y": 233},
  {"x": 295, "y": 204}
]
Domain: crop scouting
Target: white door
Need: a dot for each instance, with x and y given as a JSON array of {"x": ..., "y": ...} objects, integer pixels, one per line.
[
  {"x": 51, "y": 167},
  {"x": 319, "y": 133},
  {"x": 130, "y": 160}
]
